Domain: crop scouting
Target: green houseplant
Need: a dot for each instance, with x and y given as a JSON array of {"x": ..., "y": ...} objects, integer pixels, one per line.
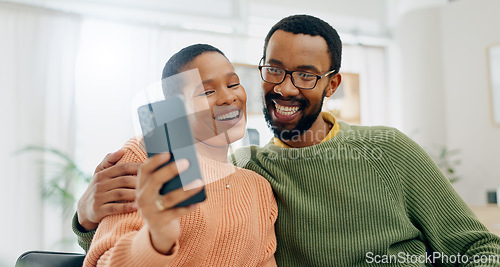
[
  {"x": 448, "y": 161},
  {"x": 60, "y": 177}
]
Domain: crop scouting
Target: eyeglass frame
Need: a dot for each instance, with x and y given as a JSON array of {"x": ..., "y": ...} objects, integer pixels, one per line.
[{"x": 318, "y": 77}]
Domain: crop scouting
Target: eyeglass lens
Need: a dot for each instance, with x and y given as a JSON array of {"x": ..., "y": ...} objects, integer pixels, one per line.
[{"x": 300, "y": 79}]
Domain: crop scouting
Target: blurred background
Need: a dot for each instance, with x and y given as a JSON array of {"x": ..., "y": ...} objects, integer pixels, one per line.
[{"x": 69, "y": 70}]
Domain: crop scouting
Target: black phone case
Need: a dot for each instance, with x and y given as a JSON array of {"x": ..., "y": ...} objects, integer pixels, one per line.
[{"x": 165, "y": 128}]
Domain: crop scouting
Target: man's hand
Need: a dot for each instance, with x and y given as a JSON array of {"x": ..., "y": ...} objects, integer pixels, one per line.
[{"x": 110, "y": 191}]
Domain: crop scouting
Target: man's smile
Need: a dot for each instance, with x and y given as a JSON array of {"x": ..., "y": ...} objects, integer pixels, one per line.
[{"x": 286, "y": 110}]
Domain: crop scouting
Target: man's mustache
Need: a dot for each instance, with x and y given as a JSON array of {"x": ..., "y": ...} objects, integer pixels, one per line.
[{"x": 303, "y": 102}]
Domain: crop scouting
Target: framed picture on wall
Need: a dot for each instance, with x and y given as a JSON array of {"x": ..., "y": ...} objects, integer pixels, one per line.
[
  {"x": 345, "y": 103},
  {"x": 493, "y": 56}
]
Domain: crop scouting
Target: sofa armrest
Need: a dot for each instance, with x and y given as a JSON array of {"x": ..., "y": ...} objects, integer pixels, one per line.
[{"x": 50, "y": 258}]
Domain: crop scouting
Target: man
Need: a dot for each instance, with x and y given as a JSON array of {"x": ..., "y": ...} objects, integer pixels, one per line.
[{"x": 349, "y": 195}]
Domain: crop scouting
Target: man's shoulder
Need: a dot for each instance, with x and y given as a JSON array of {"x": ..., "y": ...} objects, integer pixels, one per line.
[
  {"x": 384, "y": 139},
  {"x": 244, "y": 155},
  {"x": 371, "y": 135},
  {"x": 362, "y": 130},
  {"x": 248, "y": 156}
]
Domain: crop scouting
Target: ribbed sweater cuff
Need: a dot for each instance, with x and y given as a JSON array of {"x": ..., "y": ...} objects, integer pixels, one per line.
[
  {"x": 84, "y": 237},
  {"x": 143, "y": 252}
]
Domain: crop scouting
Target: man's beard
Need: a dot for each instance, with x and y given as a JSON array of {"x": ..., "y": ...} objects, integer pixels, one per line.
[{"x": 304, "y": 124}]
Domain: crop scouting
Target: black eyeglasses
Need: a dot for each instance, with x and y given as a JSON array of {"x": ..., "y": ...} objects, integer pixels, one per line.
[{"x": 300, "y": 79}]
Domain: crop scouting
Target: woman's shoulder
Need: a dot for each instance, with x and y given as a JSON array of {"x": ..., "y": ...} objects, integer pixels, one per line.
[
  {"x": 250, "y": 177},
  {"x": 249, "y": 173},
  {"x": 135, "y": 149},
  {"x": 136, "y": 142}
]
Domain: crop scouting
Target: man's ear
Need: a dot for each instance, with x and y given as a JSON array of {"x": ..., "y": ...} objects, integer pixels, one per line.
[{"x": 334, "y": 84}]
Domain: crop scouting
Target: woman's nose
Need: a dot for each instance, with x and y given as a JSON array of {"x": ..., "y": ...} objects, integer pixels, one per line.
[{"x": 226, "y": 96}]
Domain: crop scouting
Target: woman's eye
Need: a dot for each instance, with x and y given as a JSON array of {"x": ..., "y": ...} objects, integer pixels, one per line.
[
  {"x": 233, "y": 85},
  {"x": 206, "y": 93}
]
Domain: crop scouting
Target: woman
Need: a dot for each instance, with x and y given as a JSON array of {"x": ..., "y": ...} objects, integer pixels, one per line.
[{"x": 234, "y": 226}]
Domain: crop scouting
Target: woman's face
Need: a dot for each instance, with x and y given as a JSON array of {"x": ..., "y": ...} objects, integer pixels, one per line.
[{"x": 219, "y": 104}]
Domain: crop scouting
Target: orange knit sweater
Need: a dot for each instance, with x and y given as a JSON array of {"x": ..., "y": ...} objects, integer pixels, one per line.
[{"x": 233, "y": 227}]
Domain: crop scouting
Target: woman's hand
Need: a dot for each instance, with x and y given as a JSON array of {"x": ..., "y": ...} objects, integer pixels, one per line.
[{"x": 158, "y": 211}]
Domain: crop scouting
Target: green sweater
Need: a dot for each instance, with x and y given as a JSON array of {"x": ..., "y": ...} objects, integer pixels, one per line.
[
  {"x": 366, "y": 194},
  {"x": 84, "y": 237}
]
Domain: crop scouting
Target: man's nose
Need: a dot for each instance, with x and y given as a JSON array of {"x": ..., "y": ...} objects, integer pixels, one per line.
[{"x": 286, "y": 88}]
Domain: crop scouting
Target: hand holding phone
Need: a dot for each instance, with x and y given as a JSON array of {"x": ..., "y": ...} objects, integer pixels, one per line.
[
  {"x": 163, "y": 220},
  {"x": 166, "y": 128}
]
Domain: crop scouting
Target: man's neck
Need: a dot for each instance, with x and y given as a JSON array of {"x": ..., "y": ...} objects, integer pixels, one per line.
[{"x": 318, "y": 131}]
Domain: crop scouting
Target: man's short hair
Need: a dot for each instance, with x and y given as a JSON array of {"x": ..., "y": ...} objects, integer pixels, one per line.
[{"x": 312, "y": 26}]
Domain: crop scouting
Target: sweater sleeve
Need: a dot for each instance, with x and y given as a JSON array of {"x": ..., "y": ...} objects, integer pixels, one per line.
[
  {"x": 244, "y": 158},
  {"x": 449, "y": 225},
  {"x": 270, "y": 243},
  {"x": 124, "y": 239},
  {"x": 84, "y": 237}
]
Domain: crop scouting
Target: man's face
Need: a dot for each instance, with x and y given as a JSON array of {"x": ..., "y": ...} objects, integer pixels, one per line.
[{"x": 288, "y": 110}]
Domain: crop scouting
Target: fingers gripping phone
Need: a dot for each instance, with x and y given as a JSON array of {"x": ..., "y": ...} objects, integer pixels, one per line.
[{"x": 165, "y": 127}]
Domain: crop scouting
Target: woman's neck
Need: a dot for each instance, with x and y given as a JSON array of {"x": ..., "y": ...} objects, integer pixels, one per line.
[{"x": 217, "y": 153}]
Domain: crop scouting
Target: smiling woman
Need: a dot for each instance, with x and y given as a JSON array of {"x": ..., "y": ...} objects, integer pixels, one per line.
[{"x": 234, "y": 226}]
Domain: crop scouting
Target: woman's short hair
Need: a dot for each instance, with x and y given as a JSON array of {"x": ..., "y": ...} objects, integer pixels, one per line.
[{"x": 176, "y": 63}]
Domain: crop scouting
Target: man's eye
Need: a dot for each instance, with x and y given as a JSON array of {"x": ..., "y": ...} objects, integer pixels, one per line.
[
  {"x": 305, "y": 76},
  {"x": 233, "y": 85},
  {"x": 274, "y": 71}
]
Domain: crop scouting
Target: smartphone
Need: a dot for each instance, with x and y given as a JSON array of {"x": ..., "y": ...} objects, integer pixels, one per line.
[{"x": 165, "y": 128}]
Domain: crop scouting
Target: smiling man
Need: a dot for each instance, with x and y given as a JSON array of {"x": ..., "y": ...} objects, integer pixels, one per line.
[
  {"x": 349, "y": 195},
  {"x": 293, "y": 99}
]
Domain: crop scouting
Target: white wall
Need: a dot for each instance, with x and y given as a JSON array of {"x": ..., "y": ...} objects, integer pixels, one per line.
[
  {"x": 38, "y": 53},
  {"x": 444, "y": 89},
  {"x": 422, "y": 95},
  {"x": 468, "y": 28}
]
